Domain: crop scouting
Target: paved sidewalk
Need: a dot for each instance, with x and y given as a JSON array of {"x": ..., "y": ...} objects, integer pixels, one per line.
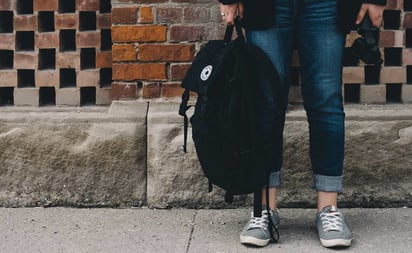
[{"x": 183, "y": 230}]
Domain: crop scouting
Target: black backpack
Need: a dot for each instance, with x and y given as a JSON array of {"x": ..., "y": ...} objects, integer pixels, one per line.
[{"x": 232, "y": 150}]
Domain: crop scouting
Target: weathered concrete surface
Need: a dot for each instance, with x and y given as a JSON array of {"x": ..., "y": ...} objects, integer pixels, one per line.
[
  {"x": 174, "y": 178},
  {"x": 73, "y": 156},
  {"x": 378, "y": 161}
]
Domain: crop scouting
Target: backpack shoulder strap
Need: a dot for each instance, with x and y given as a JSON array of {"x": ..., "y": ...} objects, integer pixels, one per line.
[{"x": 182, "y": 111}]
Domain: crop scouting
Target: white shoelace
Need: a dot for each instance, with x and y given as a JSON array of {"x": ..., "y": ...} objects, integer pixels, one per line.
[
  {"x": 332, "y": 221},
  {"x": 259, "y": 222}
]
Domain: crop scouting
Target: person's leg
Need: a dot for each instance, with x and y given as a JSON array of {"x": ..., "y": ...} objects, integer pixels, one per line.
[
  {"x": 277, "y": 43},
  {"x": 321, "y": 53},
  {"x": 320, "y": 47}
]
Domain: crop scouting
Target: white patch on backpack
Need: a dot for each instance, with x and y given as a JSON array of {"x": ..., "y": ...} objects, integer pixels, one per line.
[{"x": 206, "y": 72}]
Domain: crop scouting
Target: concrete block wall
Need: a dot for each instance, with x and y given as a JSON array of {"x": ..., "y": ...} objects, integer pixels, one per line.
[{"x": 55, "y": 52}]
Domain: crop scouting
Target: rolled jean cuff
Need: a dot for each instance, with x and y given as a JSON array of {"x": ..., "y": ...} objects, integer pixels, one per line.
[
  {"x": 274, "y": 179},
  {"x": 327, "y": 183}
]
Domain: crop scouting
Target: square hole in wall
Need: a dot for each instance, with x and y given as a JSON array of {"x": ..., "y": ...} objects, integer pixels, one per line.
[
  {"x": 24, "y": 41},
  {"x": 67, "y": 6},
  {"x": 393, "y": 56},
  {"x": 47, "y": 96},
  {"x": 6, "y": 96},
  {"x": 24, "y": 6},
  {"x": 45, "y": 21},
  {"x": 105, "y": 77},
  {"x": 25, "y": 78},
  {"x": 87, "y": 20},
  {"x": 88, "y": 96},
  {"x": 6, "y": 59},
  {"x": 67, "y": 40},
  {"x": 409, "y": 74},
  {"x": 105, "y": 6},
  {"x": 408, "y": 38},
  {"x": 67, "y": 78},
  {"x": 352, "y": 93},
  {"x": 391, "y": 19},
  {"x": 47, "y": 59},
  {"x": 106, "y": 40},
  {"x": 372, "y": 74},
  {"x": 407, "y": 5},
  {"x": 87, "y": 58},
  {"x": 349, "y": 58},
  {"x": 6, "y": 23},
  {"x": 393, "y": 92}
]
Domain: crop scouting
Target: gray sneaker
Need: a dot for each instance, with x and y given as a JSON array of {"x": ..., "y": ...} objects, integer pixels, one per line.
[
  {"x": 256, "y": 231},
  {"x": 332, "y": 229}
]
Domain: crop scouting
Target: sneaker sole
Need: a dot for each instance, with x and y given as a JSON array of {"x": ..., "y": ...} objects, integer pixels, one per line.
[
  {"x": 253, "y": 241},
  {"x": 336, "y": 243}
]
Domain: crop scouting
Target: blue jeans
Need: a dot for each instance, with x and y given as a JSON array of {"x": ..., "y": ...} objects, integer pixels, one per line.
[{"x": 311, "y": 25}]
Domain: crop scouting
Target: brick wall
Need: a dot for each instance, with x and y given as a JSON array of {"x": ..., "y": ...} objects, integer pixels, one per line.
[
  {"x": 154, "y": 42},
  {"x": 77, "y": 52}
]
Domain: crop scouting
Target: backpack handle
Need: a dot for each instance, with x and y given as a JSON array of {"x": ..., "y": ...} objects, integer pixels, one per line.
[{"x": 229, "y": 31}]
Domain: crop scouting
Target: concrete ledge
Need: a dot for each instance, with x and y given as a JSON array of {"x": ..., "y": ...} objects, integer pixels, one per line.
[
  {"x": 100, "y": 156},
  {"x": 73, "y": 156},
  {"x": 378, "y": 160}
]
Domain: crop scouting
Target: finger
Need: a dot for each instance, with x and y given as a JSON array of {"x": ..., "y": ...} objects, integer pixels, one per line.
[
  {"x": 230, "y": 18},
  {"x": 361, "y": 14},
  {"x": 241, "y": 10}
]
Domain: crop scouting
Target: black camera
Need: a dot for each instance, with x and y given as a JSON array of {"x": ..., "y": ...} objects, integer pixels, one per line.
[{"x": 366, "y": 48}]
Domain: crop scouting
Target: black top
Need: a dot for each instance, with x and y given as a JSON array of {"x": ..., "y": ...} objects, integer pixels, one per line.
[{"x": 258, "y": 14}]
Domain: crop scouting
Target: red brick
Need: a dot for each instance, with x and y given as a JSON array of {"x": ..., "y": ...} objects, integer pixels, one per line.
[
  {"x": 169, "y": 15},
  {"x": 88, "y": 39},
  {"x": 393, "y": 75},
  {"x": 407, "y": 56},
  {"x": 25, "y": 23},
  {"x": 68, "y": 60},
  {"x": 387, "y": 39},
  {"x": 171, "y": 90},
  {"x": 151, "y": 90},
  {"x": 407, "y": 20},
  {"x": 87, "y": 5},
  {"x": 124, "y": 15},
  {"x": 196, "y": 15},
  {"x": 124, "y": 91},
  {"x": 7, "y": 41},
  {"x": 149, "y": 71},
  {"x": 186, "y": 33},
  {"x": 104, "y": 21},
  {"x": 149, "y": 52},
  {"x": 88, "y": 78},
  {"x": 46, "y": 5},
  {"x": 104, "y": 59},
  {"x": 353, "y": 74},
  {"x": 178, "y": 71},
  {"x": 5, "y": 5},
  {"x": 46, "y": 40},
  {"x": 146, "y": 14},
  {"x": 103, "y": 96},
  {"x": 151, "y": 33},
  {"x": 66, "y": 21},
  {"x": 8, "y": 78},
  {"x": 124, "y": 52},
  {"x": 25, "y": 60},
  {"x": 47, "y": 78}
]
